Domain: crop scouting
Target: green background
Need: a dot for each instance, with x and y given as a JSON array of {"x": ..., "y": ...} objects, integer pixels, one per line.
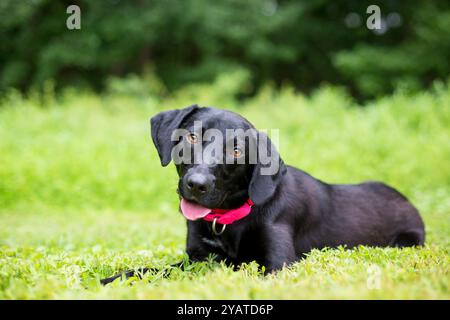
[{"x": 82, "y": 192}]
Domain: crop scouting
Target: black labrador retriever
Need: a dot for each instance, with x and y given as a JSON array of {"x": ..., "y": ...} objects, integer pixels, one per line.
[{"x": 239, "y": 214}]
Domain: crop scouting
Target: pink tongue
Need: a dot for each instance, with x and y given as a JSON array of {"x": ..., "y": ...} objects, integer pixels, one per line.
[{"x": 193, "y": 211}]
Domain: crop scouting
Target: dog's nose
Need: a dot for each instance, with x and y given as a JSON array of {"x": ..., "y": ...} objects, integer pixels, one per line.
[{"x": 198, "y": 184}]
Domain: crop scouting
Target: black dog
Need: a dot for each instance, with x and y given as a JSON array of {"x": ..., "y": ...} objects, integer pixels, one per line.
[{"x": 292, "y": 212}]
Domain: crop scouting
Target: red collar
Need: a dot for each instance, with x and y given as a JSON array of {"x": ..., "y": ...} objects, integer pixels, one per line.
[{"x": 228, "y": 216}]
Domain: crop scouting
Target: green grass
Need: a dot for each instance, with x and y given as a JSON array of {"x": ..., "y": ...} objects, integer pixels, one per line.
[{"x": 83, "y": 196}]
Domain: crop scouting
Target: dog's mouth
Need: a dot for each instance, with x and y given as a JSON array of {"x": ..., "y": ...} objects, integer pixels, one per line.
[{"x": 193, "y": 210}]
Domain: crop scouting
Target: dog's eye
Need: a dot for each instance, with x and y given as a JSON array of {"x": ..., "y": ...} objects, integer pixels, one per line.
[
  {"x": 237, "y": 152},
  {"x": 191, "y": 138}
]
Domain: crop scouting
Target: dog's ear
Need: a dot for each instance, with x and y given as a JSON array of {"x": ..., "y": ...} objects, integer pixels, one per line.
[
  {"x": 162, "y": 126},
  {"x": 265, "y": 179}
]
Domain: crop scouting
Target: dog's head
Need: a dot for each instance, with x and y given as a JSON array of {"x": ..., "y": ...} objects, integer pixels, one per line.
[{"x": 220, "y": 158}]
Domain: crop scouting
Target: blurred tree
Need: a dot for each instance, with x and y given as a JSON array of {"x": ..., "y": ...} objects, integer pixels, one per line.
[
  {"x": 416, "y": 51},
  {"x": 301, "y": 42}
]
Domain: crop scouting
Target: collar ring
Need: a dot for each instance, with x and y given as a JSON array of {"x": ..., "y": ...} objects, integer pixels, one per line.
[{"x": 214, "y": 228}]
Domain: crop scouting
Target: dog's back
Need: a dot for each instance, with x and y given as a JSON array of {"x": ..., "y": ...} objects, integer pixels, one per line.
[{"x": 369, "y": 213}]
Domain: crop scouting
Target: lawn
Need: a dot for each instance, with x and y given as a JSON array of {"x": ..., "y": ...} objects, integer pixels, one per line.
[{"x": 83, "y": 195}]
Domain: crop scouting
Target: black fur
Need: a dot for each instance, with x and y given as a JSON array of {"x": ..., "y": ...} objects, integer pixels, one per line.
[{"x": 293, "y": 212}]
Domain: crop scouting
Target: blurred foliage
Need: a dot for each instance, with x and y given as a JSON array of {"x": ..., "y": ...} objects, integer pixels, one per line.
[
  {"x": 87, "y": 150},
  {"x": 303, "y": 43}
]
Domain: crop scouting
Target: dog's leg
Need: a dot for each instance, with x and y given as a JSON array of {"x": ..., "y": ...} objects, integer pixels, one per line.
[
  {"x": 409, "y": 238},
  {"x": 280, "y": 249}
]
